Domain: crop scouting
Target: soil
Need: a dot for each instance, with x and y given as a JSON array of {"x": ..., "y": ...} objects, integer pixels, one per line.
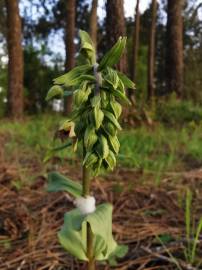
[{"x": 147, "y": 218}]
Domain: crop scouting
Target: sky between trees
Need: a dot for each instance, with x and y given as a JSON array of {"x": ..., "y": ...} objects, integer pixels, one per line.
[{"x": 56, "y": 39}]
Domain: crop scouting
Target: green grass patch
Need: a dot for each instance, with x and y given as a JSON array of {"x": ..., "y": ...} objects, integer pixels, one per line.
[{"x": 151, "y": 150}]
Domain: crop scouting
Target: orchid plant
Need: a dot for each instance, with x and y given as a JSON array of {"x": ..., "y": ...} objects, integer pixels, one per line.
[{"x": 98, "y": 91}]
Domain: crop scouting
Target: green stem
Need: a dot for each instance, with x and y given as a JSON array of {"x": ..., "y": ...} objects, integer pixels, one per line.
[
  {"x": 86, "y": 182},
  {"x": 86, "y": 192}
]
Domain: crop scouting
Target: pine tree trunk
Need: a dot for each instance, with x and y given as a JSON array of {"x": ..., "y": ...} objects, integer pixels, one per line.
[
  {"x": 69, "y": 44},
  {"x": 115, "y": 27},
  {"x": 93, "y": 22},
  {"x": 174, "y": 61},
  {"x": 15, "y": 63},
  {"x": 135, "y": 42},
  {"x": 151, "y": 52}
]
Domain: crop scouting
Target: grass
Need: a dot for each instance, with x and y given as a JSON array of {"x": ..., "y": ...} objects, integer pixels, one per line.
[
  {"x": 151, "y": 150},
  {"x": 161, "y": 148},
  {"x": 193, "y": 232}
]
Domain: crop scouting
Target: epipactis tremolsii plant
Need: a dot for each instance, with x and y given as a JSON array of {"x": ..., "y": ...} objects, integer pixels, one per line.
[{"x": 98, "y": 91}]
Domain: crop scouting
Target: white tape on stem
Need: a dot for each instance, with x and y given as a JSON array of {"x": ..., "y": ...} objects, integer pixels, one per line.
[{"x": 86, "y": 205}]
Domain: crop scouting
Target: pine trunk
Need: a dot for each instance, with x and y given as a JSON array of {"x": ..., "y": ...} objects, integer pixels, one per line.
[
  {"x": 15, "y": 63},
  {"x": 135, "y": 42},
  {"x": 115, "y": 27},
  {"x": 151, "y": 52},
  {"x": 69, "y": 44},
  {"x": 93, "y": 22},
  {"x": 174, "y": 61}
]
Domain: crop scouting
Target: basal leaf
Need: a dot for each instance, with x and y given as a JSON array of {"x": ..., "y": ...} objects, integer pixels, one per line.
[
  {"x": 119, "y": 252},
  {"x": 50, "y": 152},
  {"x": 57, "y": 182},
  {"x": 101, "y": 225},
  {"x": 72, "y": 236}
]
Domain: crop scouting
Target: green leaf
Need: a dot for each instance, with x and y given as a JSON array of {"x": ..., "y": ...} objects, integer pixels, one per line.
[
  {"x": 57, "y": 182},
  {"x": 111, "y": 117},
  {"x": 72, "y": 77},
  {"x": 50, "y": 152},
  {"x": 90, "y": 138},
  {"x": 81, "y": 96},
  {"x": 55, "y": 91},
  {"x": 104, "y": 146},
  {"x": 79, "y": 127},
  {"x": 115, "y": 143},
  {"x": 121, "y": 87},
  {"x": 98, "y": 116},
  {"x": 121, "y": 96},
  {"x": 85, "y": 39},
  {"x": 111, "y": 160},
  {"x": 110, "y": 128},
  {"x": 87, "y": 77},
  {"x": 97, "y": 165},
  {"x": 87, "y": 47},
  {"x": 73, "y": 238},
  {"x": 104, "y": 99},
  {"x": 113, "y": 56},
  {"x": 95, "y": 101},
  {"x": 126, "y": 81},
  {"x": 101, "y": 226},
  {"x": 116, "y": 107},
  {"x": 90, "y": 159},
  {"x": 112, "y": 78},
  {"x": 119, "y": 252}
]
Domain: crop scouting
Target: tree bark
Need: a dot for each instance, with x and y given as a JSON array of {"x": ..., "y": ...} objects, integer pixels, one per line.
[
  {"x": 174, "y": 58},
  {"x": 69, "y": 44},
  {"x": 93, "y": 22},
  {"x": 136, "y": 33},
  {"x": 115, "y": 27},
  {"x": 151, "y": 52},
  {"x": 15, "y": 63}
]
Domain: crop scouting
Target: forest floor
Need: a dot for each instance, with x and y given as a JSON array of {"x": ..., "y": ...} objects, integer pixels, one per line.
[{"x": 148, "y": 190}]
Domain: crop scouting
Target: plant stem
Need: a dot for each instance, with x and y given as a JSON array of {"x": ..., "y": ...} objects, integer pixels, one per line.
[
  {"x": 86, "y": 182},
  {"x": 86, "y": 192},
  {"x": 91, "y": 262}
]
